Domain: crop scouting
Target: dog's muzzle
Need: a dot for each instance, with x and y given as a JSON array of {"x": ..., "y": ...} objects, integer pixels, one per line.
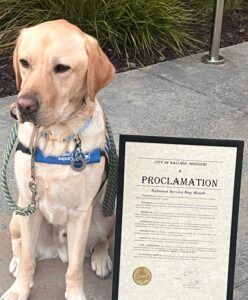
[{"x": 28, "y": 105}]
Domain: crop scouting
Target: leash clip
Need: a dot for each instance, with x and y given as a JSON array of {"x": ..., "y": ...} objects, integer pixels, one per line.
[
  {"x": 77, "y": 143},
  {"x": 78, "y": 162},
  {"x": 33, "y": 189}
]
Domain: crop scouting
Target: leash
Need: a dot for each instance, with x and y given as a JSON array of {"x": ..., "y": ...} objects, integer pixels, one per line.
[
  {"x": 108, "y": 205},
  {"x": 26, "y": 211}
]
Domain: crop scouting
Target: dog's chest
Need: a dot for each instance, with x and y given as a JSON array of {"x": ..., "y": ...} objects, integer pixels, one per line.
[
  {"x": 57, "y": 196},
  {"x": 64, "y": 192},
  {"x": 61, "y": 190}
]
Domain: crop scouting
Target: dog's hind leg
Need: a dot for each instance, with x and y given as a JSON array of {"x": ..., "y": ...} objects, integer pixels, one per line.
[
  {"x": 15, "y": 230},
  {"x": 101, "y": 263},
  {"x": 100, "y": 235}
]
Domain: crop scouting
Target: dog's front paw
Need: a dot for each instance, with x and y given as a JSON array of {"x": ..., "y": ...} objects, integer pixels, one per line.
[
  {"x": 16, "y": 292},
  {"x": 19, "y": 290},
  {"x": 9, "y": 295},
  {"x": 101, "y": 263},
  {"x": 75, "y": 294}
]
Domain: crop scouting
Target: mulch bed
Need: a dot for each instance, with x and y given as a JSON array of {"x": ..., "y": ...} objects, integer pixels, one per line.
[{"x": 235, "y": 30}]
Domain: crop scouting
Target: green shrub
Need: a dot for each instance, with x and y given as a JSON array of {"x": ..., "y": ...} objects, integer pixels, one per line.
[
  {"x": 205, "y": 7},
  {"x": 141, "y": 27},
  {"x": 123, "y": 25},
  {"x": 233, "y": 4}
]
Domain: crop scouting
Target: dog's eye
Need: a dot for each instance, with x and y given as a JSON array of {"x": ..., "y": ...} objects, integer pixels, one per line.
[
  {"x": 61, "y": 68},
  {"x": 24, "y": 63}
]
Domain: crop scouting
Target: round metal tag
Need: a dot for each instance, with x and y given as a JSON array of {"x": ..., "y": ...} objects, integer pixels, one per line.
[{"x": 78, "y": 163}]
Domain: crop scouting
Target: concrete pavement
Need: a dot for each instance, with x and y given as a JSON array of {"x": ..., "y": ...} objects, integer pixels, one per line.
[{"x": 182, "y": 98}]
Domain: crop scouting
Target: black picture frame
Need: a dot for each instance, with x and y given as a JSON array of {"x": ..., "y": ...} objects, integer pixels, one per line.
[{"x": 183, "y": 141}]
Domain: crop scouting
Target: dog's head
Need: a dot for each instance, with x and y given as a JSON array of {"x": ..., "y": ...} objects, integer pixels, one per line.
[{"x": 56, "y": 66}]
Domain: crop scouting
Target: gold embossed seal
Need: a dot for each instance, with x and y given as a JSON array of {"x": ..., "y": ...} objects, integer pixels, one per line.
[{"x": 142, "y": 276}]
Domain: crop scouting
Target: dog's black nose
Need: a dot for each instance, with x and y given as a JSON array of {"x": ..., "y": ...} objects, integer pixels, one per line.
[{"x": 27, "y": 103}]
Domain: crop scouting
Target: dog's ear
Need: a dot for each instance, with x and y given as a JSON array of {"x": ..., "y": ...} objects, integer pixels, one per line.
[
  {"x": 16, "y": 65},
  {"x": 100, "y": 70}
]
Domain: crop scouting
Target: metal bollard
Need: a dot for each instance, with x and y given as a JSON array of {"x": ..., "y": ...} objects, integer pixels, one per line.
[{"x": 213, "y": 57}]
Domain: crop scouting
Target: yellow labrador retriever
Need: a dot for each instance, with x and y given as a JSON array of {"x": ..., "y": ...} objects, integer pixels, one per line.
[{"x": 59, "y": 69}]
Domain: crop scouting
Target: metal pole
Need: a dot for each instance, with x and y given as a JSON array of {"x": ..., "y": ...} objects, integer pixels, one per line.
[{"x": 214, "y": 57}]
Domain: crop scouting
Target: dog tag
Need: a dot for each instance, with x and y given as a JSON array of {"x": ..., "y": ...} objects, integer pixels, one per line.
[{"x": 78, "y": 163}]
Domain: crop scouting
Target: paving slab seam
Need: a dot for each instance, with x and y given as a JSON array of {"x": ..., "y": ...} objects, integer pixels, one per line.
[
  {"x": 241, "y": 283},
  {"x": 171, "y": 81},
  {"x": 192, "y": 90}
]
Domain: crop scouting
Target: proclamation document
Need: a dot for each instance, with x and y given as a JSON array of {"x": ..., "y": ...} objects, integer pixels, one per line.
[{"x": 179, "y": 210}]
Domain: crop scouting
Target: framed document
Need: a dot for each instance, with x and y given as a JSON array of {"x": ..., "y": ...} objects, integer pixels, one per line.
[{"x": 177, "y": 217}]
